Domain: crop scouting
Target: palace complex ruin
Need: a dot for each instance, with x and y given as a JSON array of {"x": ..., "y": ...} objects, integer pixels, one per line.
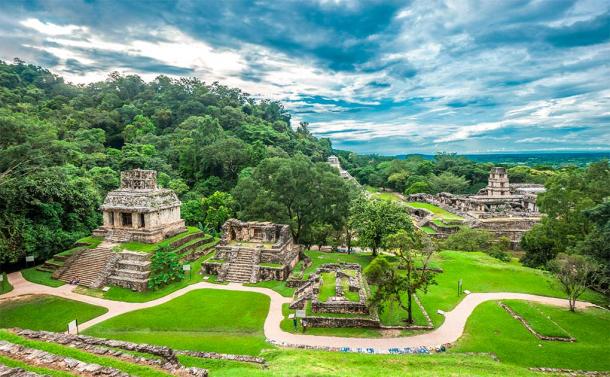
[
  {"x": 253, "y": 251},
  {"x": 140, "y": 211},
  {"x": 503, "y": 208}
]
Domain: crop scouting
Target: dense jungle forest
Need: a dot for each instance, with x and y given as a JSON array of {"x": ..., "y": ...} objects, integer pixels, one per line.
[{"x": 226, "y": 153}]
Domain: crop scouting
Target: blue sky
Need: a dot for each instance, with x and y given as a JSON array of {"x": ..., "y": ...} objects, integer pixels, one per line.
[{"x": 375, "y": 77}]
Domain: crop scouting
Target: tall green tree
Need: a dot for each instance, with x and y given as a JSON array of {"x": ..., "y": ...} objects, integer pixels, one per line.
[
  {"x": 293, "y": 191},
  {"x": 414, "y": 251},
  {"x": 375, "y": 219}
]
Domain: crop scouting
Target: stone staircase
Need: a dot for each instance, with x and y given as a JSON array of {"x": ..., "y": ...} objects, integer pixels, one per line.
[
  {"x": 241, "y": 268},
  {"x": 131, "y": 271},
  {"x": 89, "y": 267},
  {"x": 118, "y": 236},
  {"x": 53, "y": 264}
]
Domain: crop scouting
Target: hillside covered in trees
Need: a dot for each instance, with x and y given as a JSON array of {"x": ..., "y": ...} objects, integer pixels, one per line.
[
  {"x": 62, "y": 147},
  {"x": 226, "y": 153}
]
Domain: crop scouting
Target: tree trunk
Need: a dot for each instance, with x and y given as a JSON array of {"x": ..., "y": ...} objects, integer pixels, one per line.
[
  {"x": 375, "y": 251},
  {"x": 409, "y": 309},
  {"x": 572, "y": 301}
]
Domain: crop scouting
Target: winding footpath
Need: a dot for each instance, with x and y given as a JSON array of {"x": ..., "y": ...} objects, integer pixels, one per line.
[{"x": 450, "y": 331}]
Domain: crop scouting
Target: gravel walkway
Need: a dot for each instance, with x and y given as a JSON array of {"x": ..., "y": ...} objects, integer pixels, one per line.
[{"x": 450, "y": 331}]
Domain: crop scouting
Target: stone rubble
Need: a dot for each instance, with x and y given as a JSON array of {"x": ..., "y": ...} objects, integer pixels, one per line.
[
  {"x": 16, "y": 372},
  {"x": 167, "y": 357},
  {"x": 48, "y": 360}
]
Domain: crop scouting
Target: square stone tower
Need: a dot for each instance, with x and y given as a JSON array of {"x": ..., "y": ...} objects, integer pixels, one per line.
[
  {"x": 498, "y": 182},
  {"x": 140, "y": 211}
]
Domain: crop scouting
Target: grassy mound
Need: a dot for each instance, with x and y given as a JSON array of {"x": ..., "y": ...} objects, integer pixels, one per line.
[
  {"x": 492, "y": 329},
  {"x": 437, "y": 211},
  {"x": 43, "y": 312},
  {"x": 204, "y": 320}
]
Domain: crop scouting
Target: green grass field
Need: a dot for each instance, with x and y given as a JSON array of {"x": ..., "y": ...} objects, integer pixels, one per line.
[
  {"x": 40, "y": 277},
  {"x": 49, "y": 313},
  {"x": 205, "y": 320},
  {"x": 538, "y": 318},
  {"x": 437, "y": 211},
  {"x": 311, "y": 363},
  {"x": 5, "y": 286},
  {"x": 481, "y": 273},
  {"x": 492, "y": 329},
  {"x": 327, "y": 288}
]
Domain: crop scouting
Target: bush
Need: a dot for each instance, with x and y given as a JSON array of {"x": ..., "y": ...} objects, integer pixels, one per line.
[
  {"x": 165, "y": 268},
  {"x": 468, "y": 239}
]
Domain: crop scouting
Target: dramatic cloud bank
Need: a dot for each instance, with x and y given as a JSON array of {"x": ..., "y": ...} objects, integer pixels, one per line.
[{"x": 384, "y": 77}]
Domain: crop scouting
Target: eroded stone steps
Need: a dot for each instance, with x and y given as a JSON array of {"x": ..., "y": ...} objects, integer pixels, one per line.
[{"x": 88, "y": 267}]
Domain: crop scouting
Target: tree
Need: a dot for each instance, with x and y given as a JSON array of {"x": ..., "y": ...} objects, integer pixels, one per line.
[
  {"x": 293, "y": 191},
  {"x": 375, "y": 219},
  {"x": 448, "y": 182},
  {"x": 575, "y": 273},
  {"x": 217, "y": 208},
  {"x": 165, "y": 268},
  {"x": 414, "y": 251},
  {"x": 569, "y": 195}
]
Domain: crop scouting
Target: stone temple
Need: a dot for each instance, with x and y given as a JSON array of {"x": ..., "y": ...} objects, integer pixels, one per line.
[
  {"x": 334, "y": 162},
  {"x": 253, "y": 251},
  {"x": 503, "y": 208},
  {"x": 140, "y": 211}
]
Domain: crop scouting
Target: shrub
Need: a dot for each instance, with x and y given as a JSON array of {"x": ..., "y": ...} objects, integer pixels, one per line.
[{"x": 165, "y": 268}]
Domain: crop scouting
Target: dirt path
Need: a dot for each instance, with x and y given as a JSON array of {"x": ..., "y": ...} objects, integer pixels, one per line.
[{"x": 448, "y": 332}]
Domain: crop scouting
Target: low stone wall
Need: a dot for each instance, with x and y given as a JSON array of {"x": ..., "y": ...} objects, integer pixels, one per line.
[
  {"x": 167, "y": 359},
  {"x": 224, "y": 356},
  {"x": 47, "y": 360},
  {"x": 273, "y": 273},
  {"x": 210, "y": 268},
  {"x": 315, "y": 321},
  {"x": 295, "y": 283},
  {"x": 186, "y": 239},
  {"x": 16, "y": 372},
  {"x": 339, "y": 307},
  {"x": 197, "y": 254}
]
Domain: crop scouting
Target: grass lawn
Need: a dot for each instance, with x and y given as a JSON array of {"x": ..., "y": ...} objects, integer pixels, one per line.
[
  {"x": 204, "y": 320},
  {"x": 428, "y": 230},
  {"x": 127, "y": 295},
  {"x": 438, "y": 211},
  {"x": 482, "y": 273},
  {"x": 43, "y": 312},
  {"x": 151, "y": 247},
  {"x": 299, "y": 362},
  {"x": 5, "y": 286},
  {"x": 351, "y": 296},
  {"x": 327, "y": 288},
  {"x": 131, "y": 369},
  {"x": 40, "y": 277},
  {"x": 389, "y": 196},
  {"x": 538, "y": 318},
  {"x": 492, "y": 329},
  {"x": 278, "y": 286}
]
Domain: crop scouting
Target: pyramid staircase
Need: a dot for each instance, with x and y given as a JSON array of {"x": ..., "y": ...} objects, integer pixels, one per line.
[
  {"x": 240, "y": 270},
  {"x": 118, "y": 236},
  {"x": 90, "y": 266},
  {"x": 131, "y": 271}
]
